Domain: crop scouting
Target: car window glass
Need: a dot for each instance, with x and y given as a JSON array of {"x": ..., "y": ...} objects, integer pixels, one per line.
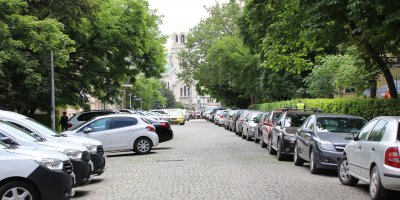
[
  {"x": 377, "y": 133},
  {"x": 311, "y": 124},
  {"x": 21, "y": 127},
  {"x": 121, "y": 122},
  {"x": 306, "y": 122},
  {"x": 362, "y": 135},
  {"x": 276, "y": 117},
  {"x": 85, "y": 117},
  {"x": 339, "y": 124},
  {"x": 293, "y": 120},
  {"x": 100, "y": 125}
]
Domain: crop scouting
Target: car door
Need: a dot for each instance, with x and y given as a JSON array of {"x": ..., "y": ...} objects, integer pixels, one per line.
[
  {"x": 353, "y": 149},
  {"x": 124, "y": 132},
  {"x": 369, "y": 146},
  {"x": 277, "y": 130},
  {"x": 306, "y": 139},
  {"x": 99, "y": 131}
]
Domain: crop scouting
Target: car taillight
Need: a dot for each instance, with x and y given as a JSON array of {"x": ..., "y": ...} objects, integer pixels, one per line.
[
  {"x": 392, "y": 157},
  {"x": 222, "y": 116},
  {"x": 151, "y": 128},
  {"x": 69, "y": 125},
  {"x": 166, "y": 125}
]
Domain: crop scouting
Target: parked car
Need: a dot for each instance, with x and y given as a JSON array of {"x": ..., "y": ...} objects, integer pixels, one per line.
[
  {"x": 219, "y": 117},
  {"x": 239, "y": 122},
  {"x": 82, "y": 117},
  {"x": 34, "y": 174},
  {"x": 373, "y": 157},
  {"x": 95, "y": 147},
  {"x": 249, "y": 125},
  {"x": 259, "y": 126},
  {"x": 227, "y": 117},
  {"x": 163, "y": 129},
  {"x": 79, "y": 155},
  {"x": 283, "y": 135},
  {"x": 269, "y": 124},
  {"x": 175, "y": 117},
  {"x": 234, "y": 118},
  {"x": 119, "y": 132},
  {"x": 211, "y": 116},
  {"x": 321, "y": 139}
]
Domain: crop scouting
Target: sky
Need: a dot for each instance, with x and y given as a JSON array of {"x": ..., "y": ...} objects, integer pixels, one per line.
[{"x": 181, "y": 15}]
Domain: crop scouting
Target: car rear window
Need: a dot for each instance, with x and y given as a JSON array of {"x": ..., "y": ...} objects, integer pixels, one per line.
[{"x": 121, "y": 122}]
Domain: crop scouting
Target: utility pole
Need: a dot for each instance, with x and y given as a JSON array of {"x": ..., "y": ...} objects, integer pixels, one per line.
[{"x": 53, "y": 98}]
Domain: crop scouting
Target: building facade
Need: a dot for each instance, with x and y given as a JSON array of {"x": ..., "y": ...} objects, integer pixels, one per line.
[{"x": 184, "y": 93}]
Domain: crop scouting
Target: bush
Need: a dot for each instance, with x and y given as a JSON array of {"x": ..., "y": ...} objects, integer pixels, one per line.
[
  {"x": 45, "y": 119},
  {"x": 366, "y": 108}
]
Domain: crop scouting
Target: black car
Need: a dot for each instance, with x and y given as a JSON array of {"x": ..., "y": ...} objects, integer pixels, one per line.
[
  {"x": 235, "y": 117},
  {"x": 163, "y": 129},
  {"x": 283, "y": 135},
  {"x": 322, "y": 138},
  {"x": 260, "y": 124}
]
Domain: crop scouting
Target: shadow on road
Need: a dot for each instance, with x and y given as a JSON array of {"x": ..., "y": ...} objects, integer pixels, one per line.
[
  {"x": 96, "y": 181},
  {"x": 81, "y": 193},
  {"x": 125, "y": 154},
  {"x": 162, "y": 148}
]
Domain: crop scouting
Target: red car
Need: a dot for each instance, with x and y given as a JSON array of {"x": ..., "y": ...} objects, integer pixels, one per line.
[{"x": 268, "y": 125}]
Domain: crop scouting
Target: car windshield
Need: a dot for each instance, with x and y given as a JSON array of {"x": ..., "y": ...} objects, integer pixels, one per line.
[
  {"x": 253, "y": 115},
  {"x": 276, "y": 116},
  {"x": 339, "y": 124},
  {"x": 293, "y": 120},
  {"x": 38, "y": 126},
  {"x": 19, "y": 133}
]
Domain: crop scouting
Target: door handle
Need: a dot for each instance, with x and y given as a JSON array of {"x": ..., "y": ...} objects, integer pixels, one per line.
[{"x": 373, "y": 149}]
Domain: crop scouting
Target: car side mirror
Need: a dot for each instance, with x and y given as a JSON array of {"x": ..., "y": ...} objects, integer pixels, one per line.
[
  {"x": 305, "y": 130},
  {"x": 87, "y": 130},
  {"x": 349, "y": 136},
  {"x": 279, "y": 123}
]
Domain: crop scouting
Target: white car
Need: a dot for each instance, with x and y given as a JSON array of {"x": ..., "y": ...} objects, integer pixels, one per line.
[
  {"x": 82, "y": 117},
  {"x": 119, "y": 132},
  {"x": 373, "y": 157},
  {"x": 34, "y": 174}
]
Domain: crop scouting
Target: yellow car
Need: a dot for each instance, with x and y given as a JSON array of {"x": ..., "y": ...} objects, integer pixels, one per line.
[{"x": 176, "y": 117}]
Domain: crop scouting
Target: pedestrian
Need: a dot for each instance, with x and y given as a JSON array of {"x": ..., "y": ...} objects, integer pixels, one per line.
[{"x": 64, "y": 121}]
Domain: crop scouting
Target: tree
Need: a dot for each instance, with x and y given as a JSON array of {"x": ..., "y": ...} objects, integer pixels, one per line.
[
  {"x": 372, "y": 26},
  {"x": 168, "y": 95},
  {"x": 149, "y": 91}
]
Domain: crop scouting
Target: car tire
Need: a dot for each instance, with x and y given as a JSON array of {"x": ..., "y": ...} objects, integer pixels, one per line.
[
  {"x": 22, "y": 187},
  {"x": 142, "y": 145},
  {"x": 279, "y": 154},
  {"x": 262, "y": 143},
  {"x": 248, "y": 138},
  {"x": 313, "y": 163},
  {"x": 343, "y": 169},
  {"x": 243, "y": 135},
  {"x": 296, "y": 159},
  {"x": 376, "y": 190},
  {"x": 271, "y": 150},
  {"x": 182, "y": 123}
]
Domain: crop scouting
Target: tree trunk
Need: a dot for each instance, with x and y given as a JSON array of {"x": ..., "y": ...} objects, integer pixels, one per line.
[
  {"x": 384, "y": 67},
  {"x": 372, "y": 89}
]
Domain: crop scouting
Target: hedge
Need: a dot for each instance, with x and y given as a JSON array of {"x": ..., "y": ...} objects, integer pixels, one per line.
[
  {"x": 45, "y": 119},
  {"x": 365, "y": 107}
]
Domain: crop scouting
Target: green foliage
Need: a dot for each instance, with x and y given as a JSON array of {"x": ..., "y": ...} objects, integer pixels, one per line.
[
  {"x": 366, "y": 108},
  {"x": 149, "y": 90},
  {"x": 45, "y": 119},
  {"x": 168, "y": 94}
]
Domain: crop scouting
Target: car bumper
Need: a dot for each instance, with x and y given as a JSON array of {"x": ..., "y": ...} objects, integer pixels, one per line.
[
  {"x": 251, "y": 133},
  {"x": 82, "y": 172},
  {"x": 52, "y": 184},
  {"x": 391, "y": 178},
  {"x": 288, "y": 145},
  {"x": 164, "y": 134},
  {"x": 99, "y": 163},
  {"x": 328, "y": 159}
]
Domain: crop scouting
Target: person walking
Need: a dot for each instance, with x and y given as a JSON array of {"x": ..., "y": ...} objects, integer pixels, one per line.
[{"x": 64, "y": 121}]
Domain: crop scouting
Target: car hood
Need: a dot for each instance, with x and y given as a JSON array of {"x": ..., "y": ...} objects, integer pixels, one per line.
[
  {"x": 291, "y": 130},
  {"x": 61, "y": 146},
  {"x": 80, "y": 140},
  {"x": 335, "y": 138},
  {"x": 35, "y": 152}
]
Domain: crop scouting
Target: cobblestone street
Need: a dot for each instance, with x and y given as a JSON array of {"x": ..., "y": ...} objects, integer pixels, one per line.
[{"x": 204, "y": 161}]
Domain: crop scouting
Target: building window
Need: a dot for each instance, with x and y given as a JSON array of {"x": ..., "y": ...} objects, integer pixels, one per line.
[
  {"x": 182, "y": 38},
  {"x": 184, "y": 91},
  {"x": 181, "y": 92},
  {"x": 168, "y": 84},
  {"x": 188, "y": 91},
  {"x": 176, "y": 39}
]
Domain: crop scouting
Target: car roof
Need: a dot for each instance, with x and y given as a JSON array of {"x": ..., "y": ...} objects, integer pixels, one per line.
[
  {"x": 397, "y": 118},
  {"x": 117, "y": 115},
  {"x": 337, "y": 115},
  {"x": 11, "y": 115}
]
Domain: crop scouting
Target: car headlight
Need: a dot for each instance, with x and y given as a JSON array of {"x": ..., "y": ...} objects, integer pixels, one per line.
[
  {"x": 52, "y": 164},
  {"x": 328, "y": 146},
  {"x": 91, "y": 147},
  {"x": 73, "y": 154}
]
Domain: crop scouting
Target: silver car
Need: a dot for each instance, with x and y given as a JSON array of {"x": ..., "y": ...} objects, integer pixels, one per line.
[{"x": 373, "y": 157}]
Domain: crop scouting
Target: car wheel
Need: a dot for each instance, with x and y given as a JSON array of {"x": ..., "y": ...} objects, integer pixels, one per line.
[
  {"x": 142, "y": 145},
  {"x": 248, "y": 137},
  {"x": 18, "y": 190},
  {"x": 313, "y": 163},
  {"x": 262, "y": 143},
  {"x": 376, "y": 190},
  {"x": 270, "y": 149},
  {"x": 243, "y": 135},
  {"x": 279, "y": 151},
  {"x": 296, "y": 159},
  {"x": 343, "y": 173}
]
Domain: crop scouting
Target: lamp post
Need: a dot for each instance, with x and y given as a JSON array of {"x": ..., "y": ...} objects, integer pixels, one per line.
[{"x": 53, "y": 96}]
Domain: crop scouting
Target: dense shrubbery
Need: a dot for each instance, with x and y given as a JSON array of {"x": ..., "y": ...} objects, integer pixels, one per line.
[
  {"x": 46, "y": 120},
  {"x": 367, "y": 108}
]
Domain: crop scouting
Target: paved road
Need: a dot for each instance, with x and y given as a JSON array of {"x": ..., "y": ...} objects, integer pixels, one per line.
[{"x": 204, "y": 161}]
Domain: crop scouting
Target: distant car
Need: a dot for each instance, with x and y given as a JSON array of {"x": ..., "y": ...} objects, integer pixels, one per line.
[
  {"x": 119, "y": 132},
  {"x": 373, "y": 157},
  {"x": 163, "y": 129},
  {"x": 283, "y": 135},
  {"x": 269, "y": 124},
  {"x": 211, "y": 116},
  {"x": 259, "y": 126},
  {"x": 232, "y": 121},
  {"x": 249, "y": 125},
  {"x": 175, "y": 117},
  {"x": 82, "y": 117},
  {"x": 226, "y": 119},
  {"x": 239, "y": 122},
  {"x": 219, "y": 117},
  {"x": 322, "y": 139}
]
